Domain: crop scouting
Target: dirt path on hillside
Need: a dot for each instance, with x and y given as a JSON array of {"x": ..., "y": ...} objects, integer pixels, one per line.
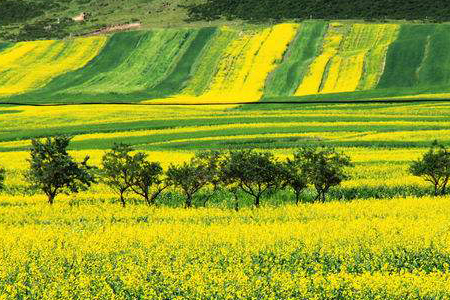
[{"x": 114, "y": 28}]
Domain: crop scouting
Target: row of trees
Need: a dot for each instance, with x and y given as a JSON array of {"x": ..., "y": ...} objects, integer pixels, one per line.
[{"x": 255, "y": 173}]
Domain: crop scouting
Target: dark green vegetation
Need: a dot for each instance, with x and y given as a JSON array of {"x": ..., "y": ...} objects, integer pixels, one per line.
[
  {"x": 434, "y": 167},
  {"x": 420, "y": 57},
  {"x": 2, "y": 178},
  {"x": 123, "y": 171},
  {"x": 53, "y": 170},
  {"x": 264, "y": 10},
  {"x": 36, "y": 19}
]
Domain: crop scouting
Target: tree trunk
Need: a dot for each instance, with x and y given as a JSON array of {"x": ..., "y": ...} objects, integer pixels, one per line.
[
  {"x": 51, "y": 198},
  {"x": 444, "y": 188},
  {"x": 297, "y": 197},
  {"x": 257, "y": 200},
  {"x": 236, "y": 200},
  {"x": 436, "y": 189},
  {"x": 323, "y": 196},
  {"x": 147, "y": 199},
  {"x": 188, "y": 201},
  {"x": 122, "y": 199}
]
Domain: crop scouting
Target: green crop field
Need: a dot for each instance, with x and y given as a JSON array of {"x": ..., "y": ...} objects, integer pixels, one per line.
[{"x": 377, "y": 92}]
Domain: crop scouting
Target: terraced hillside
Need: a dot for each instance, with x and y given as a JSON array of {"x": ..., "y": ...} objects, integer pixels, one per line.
[{"x": 286, "y": 62}]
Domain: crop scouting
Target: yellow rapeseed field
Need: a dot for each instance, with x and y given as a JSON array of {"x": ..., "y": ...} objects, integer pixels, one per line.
[
  {"x": 352, "y": 59},
  {"x": 243, "y": 67},
  {"x": 30, "y": 65},
  {"x": 364, "y": 250}
]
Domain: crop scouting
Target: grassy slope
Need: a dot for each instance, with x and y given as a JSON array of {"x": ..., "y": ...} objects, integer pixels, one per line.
[
  {"x": 142, "y": 65},
  {"x": 103, "y": 13},
  {"x": 285, "y": 80}
]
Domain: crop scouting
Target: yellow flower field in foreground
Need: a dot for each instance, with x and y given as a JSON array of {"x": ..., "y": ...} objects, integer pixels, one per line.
[{"x": 386, "y": 249}]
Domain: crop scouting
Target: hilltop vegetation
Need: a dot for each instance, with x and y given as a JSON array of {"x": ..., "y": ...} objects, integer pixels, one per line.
[
  {"x": 43, "y": 19},
  {"x": 264, "y": 10},
  {"x": 39, "y": 19}
]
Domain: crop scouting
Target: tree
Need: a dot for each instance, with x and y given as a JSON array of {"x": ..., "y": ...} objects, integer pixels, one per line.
[
  {"x": 54, "y": 171},
  {"x": 211, "y": 161},
  {"x": 323, "y": 167},
  {"x": 294, "y": 176},
  {"x": 146, "y": 178},
  {"x": 434, "y": 167},
  {"x": 117, "y": 169},
  {"x": 254, "y": 173},
  {"x": 190, "y": 177}
]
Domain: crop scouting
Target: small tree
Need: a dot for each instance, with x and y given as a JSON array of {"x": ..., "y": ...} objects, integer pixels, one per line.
[
  {"x": 54, "y": 171},
  {"x": 211, "y": 161},
  {"x": 323, "y": 167},
  {"x": 294, "y": 176},
  {"x": 434, "y": 167},
  {"x": 146, "y": 178},
  {"x": 192, "y": 176},
  {"x": 117, "y": 169},
  {"x": 255, "y": 173}
]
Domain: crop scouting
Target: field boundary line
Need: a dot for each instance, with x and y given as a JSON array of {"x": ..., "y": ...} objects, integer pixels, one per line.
[{"x": 232, "y": 103}]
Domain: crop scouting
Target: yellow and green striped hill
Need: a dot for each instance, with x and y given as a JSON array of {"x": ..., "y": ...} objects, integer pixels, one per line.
[{"x": 285, "y": 62}]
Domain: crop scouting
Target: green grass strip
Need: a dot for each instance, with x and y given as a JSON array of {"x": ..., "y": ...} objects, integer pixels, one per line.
[
  {"x": 206, "y": 65},
  {"x": 287, "y": 77},
  {"x": 436, "y": 66},
  {"x": 405, "y": 56},
  {"x": 177, "y": 79}
]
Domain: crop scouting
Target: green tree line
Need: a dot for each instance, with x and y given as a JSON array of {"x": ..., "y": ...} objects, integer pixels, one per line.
[{"x": 253, "y": 173}]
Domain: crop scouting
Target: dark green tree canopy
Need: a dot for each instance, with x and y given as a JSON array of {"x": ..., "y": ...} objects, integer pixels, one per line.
[
  {"x": 117, "y": 169},
  {"x": 146, "y": 178},
  {"x": 324, "y": 168},
  {"x": 264, "y": 10},
  {"x": 434, "y": 167},
  {"x": 253, "y": 172},
  {"x": 294, "y": 177},
  {"x": 190, "y": 177},
  {"x": 54, "y": 171}
]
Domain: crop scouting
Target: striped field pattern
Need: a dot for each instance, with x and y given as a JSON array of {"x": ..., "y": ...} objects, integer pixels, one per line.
[{"x": 284, "y": 62}]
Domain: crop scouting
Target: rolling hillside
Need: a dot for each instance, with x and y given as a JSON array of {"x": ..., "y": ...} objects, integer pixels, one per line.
[{"x": 286, "y": 62}]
